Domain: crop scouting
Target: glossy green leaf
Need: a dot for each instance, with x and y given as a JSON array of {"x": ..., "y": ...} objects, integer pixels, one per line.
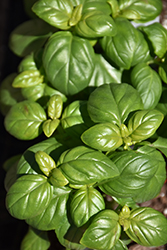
[
  {"x": 57, "y": 179},
  {"x": 148, "y": 227},
  {"x": 124, "y": 217},
  {"x": 162, "y": 105},
  {"x": 157, "y": 35},
  {"x": 160, "y": 144},
  {"x": 55, "y": 213},
  {"x": 55, "y": 106},
  {"x": 103, "y": 136},
  {"x": 28, "y": 164},
  {"x": 27, "y": 63},
  {"x": 55, "y": 12},
  {"x": 9, "y": 95},
  {"x": 96, "y": 5},
  {"x": 45, "y": 162},
  {"x": 82, "y": 165},
  {"x": 35, "y": 239},
  {"x": 24, "y": 120},
  {"x": 34, "y": 93},
  {"x": 128, "y": 47},
  {"x": 114, "y": 7},
  {"x": 148, "y": 10},
  {"x": 111, "y": 103},
  {"x": 130, "y": 14},
  {"x": 119, "y": 246},
  {"x": 28, "y": 196},
  {"x": 72, "y": 73},
  {"x": 148, "y": 84},
  {"x": 76, "y": 15},
  {"x": 27, "y": 79},
  {"x": 162, "y": 73},
  {"x": 104, "y": 72},
  {"x": 50, "y": 126},
  {"x": 95, "y": 24},
  {"x": 85, "y": 203},
  {"x": 139, "y": 171},
  {"x": 75, "y": 118},
  {"x": 29, "y": 36},
  {"x": 144, "y": 123},
  {"x": 103, "y": 232}
]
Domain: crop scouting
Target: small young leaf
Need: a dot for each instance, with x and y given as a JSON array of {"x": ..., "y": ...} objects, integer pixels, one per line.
[
  {"x": 160, "y": 144},
  {"x": 50, "y": 126},
  {"x": 35, "y": 239},
  {"x": 34, "y": 93},
  {"x": 22, "y": 194},
  {"x": 45, "y": 162},
  {"x": 24, "y": 120},
  {"x": 103, "y": 232},
  {"x": 124, "y": 217},
  {"x": 76, "y": 15},
  {"x": 57, "y": 179},
  {"x": 28, "y": 63},
  {"x": 55, "y": 106},
  {"x": 85, "y": 203},
  {"x": 163, "y": 73}
]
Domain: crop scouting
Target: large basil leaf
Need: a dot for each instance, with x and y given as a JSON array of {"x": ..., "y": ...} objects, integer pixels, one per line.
[
  {"x": 85, "y": 202},
  {"x": 75, "y": 119},
  {"x": 148, "y": 227},
  {"x": 103, "y": 232},
  {"x": 148, "y": 84},
  {"x": 144, "y": 123},
  {"x": 24, "y": 120},
  {"x": 82, "y": 165},
  {"x": 35, "y": 239},
  {"x": 103, "y": 136},
  {"x": 119, "y": 246},
  {"x": 69, "y": 62},
  {"x": 9, "y": 95},
  {"x": 137, "y": 170},
  {"x": 55, "y": 12},
  {"x": 22, "y": 194},
  {"x": 28, "y": 164},
  {"x": 104, "y": 72},
  {"x": 29, "y": 36},
  {"x": 128, "y": 47},
  {"x": 147, "y": 10},
  {"x": 96, "y": 5},
  {"x": 53, "y": 216},
  {"x": 95, "y": 24},
  {"x": 111, "y": 103},
  {"x": 157, "y": 35}
]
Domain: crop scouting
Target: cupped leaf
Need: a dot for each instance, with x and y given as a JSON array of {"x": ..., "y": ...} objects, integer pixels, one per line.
[
  {"x": 24, "y": 120},
  {"x": 55, "y": 12},
  {"x": 29, "y": 36},
  {"x": 35, "y": 239},
  {"x": 148, "y": 84},
  {"x": 148, "y": 227},
  {"x": 50, "y": 126},
  {"x": 103, "y": 232},
  {"x": 28, "y": 78},
  {"x": 82, "y": 165},
  {"x": 157, "y": 35},
  {"x": 22, "y": 194},
  {"x": 45, "y": 162},
  {"x": 55, "y": 106},
  {"x": 9, "y": 95},
  {"x": 144, "y": 123},
  {"x": 27, "y": 63},
  {"x": 103, "y": 136},
  {"x": 96, "y": 5},
  {"x": 111, "y": 103},
  {"x": 160, "y": 144},
  {"x": 128, "y": 47},
  {"x": 57, "y": 179},
  {"x": 72, "y": 72},
  {"x": 120, "y": 245},
  {"x": 85, "y": 203},
  {"x": 55, "y": 213},
  {"x": 95, "y": 24}
]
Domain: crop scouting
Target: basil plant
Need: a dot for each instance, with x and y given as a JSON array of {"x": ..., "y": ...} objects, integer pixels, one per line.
[{"x": 93, "y": 88}]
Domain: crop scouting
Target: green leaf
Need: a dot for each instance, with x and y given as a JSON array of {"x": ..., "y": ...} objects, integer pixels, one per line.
[
  {"x": 95, "y": 24},
  {"x": 50, "y": 126},
  {"x": 27, "y": 78},
  {"x": 76, "y": 15},
  {"x": 148, "y": 227},
  {"x": 124, "y": 217},
  {"x": 27, "y": 63},
  {"x": 55, "y": 12},
  {"x": 28, "y": 164},
  {"x": 157, "y": 35},
  {"x": 57, "y": 179},
  {"x": 73, "y": 73},
  {"x": 103, "y": 136},
  {"x": 82, "y": 165},
  {"x": 55, "y": 213},
  {"x": 111, "y": 103},
  {"x": 35, "y": 239},
  {"x": 55, "y": 107},
  {"x": 85, "y": 203},
  {"x": 160, "y": 144},
  {"x": 148, "y": 84},
  {"x": 45, "y": 162},
  {"x": 29, "y": 36},
  {"x": 94, "y": 5},
  {"x": 128, "y": 47},
  {"x": 114, "y": 7},
  {"x": 162, "y": 73},
  {"x": 9, "y": 95},
  {"x": 24, "y": 120},
  {"x": 34, "y": 93},
  {"x": 119, "y": 246},
  {"x": 130, "y": 14},
  {"x": 144, "y": 123},
  {"x": 22, "y": 194},
  {"x": 75, "y": 118},
  {"x": 103, "y": 232}
]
